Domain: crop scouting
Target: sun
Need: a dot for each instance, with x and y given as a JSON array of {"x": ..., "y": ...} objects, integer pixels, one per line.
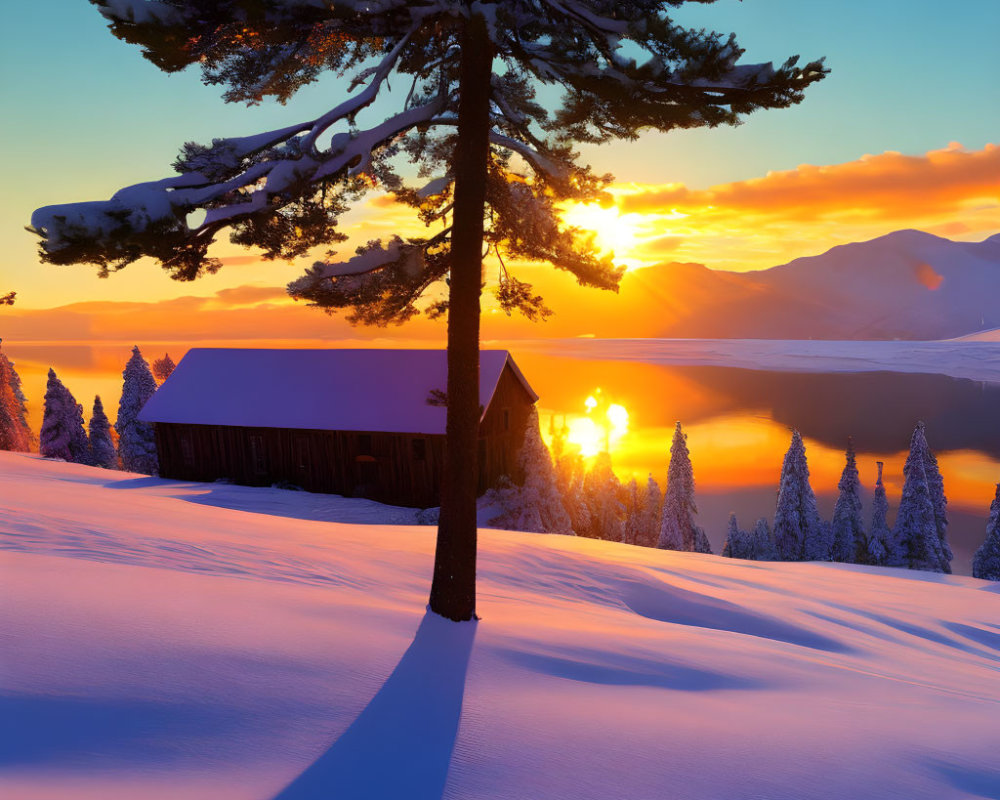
[
  {"x": 602, "y": 427},
  {"x": 615, "y": 232}
]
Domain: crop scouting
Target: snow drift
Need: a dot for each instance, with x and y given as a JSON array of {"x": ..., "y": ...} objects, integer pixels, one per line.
[{"x": 161, "y": 645}]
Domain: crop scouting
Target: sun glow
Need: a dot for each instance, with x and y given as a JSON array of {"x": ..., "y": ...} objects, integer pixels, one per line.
[
  {"x": 614, "y": 232},
  {"x": 601, "y": 429}
]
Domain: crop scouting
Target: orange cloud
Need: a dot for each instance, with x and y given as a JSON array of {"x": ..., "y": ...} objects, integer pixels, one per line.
[{"x": 887, "y": 186}]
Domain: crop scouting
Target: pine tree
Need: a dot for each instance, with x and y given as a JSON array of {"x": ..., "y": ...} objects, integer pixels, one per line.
[
  {"x": 796, "y": 520},
  {"x": 935, "y": 485},
  {"x": 700, "y": 541},
  {"x": 917, "y": 531},
  {"x": 79, "y": 444},
  {"x": 15, "y": 434},
  {"x": 848, "y": 529},
  {"x": 737, "y": 541},
  {"x": 63, "y": 435},
  {"x": 470, "y": 118},
  {"x": 882, "y": 549},
  {"x": 162, "y": 367},
  {"x": 986, "y": 561},
  {"x": 102, "y": 448},
  {"x": 603, "y": 492},
  {"x": 633, "y": 513},
  {"x": 578, "y": 508},
  {"x": 535, "y": 505},
  {"x": 679, "y": 508},
  {"x": 136, "y": 439},
  {"x": 649, "y": 518},
  {"x": 761, "y": 545}
]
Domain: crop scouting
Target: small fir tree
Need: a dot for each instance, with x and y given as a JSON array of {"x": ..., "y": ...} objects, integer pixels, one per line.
[
  {"x": 136, "y": 439},
  {"x": 649, "y": 519},
  {"x": 578, "y": 507},
  {"x": 737, "y": 541},
  {"x": 60, "y": 419},
  {"x": 15, "y": 434},
  {"x": 880, "y": 540},
  {"x": 603, "y": 492},
  {"x": 761, "y": 543},
  {"x": 915, "y": 530},
  {"x": 986, "y": 561},
  {"x": 796, "y": 520},
  {"x": 922, "y": 504},
  {"x": 633, "y": 512},
  {"x": 102, "y": 448},
  {"x": 848, "y": 527},
  {"x": 679, "y": 508},
  {"x": 935, "y": 486},
  {"x": 162, "y": 367},
  {"x": 79, "y": 444}
]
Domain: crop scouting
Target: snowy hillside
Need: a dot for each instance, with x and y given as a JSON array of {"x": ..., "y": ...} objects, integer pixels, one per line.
[{"x": 159, "y": 646}]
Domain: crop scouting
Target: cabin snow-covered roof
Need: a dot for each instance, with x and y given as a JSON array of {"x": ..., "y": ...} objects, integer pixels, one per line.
[{"x": 345, "y": 390}]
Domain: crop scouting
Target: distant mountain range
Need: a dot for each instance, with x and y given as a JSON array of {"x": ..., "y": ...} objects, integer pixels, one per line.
[{"x": 905, "y": 285}]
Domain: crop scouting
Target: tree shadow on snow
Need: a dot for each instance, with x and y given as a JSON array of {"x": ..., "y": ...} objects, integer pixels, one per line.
[{"x": 401, "y": 744}]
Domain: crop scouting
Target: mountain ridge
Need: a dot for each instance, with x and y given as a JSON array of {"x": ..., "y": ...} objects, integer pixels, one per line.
[{"x": 908, "y": 284}]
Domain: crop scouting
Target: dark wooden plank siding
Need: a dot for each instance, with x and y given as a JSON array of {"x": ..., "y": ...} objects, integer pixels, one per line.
[{"x": 396, "y": 468}]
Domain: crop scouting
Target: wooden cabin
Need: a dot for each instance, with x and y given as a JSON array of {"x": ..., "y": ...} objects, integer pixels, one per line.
[{"x": 360, "y": 423}]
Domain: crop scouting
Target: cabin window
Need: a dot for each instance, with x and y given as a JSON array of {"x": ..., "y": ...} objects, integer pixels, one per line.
[
  {"x": 365, "y": 444},
  {"x": 187, "y": 450},
  {"x": 419, "y": 448},
  {"x": 506, "y": 419},
  {"x": 257, "y": 454}
]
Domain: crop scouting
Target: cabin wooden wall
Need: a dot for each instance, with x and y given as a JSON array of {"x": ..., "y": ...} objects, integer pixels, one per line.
[
  {"x": 396, "y": 468},
  {"x": 387, "y": 467},
  {"x": 502, "y": 431}
]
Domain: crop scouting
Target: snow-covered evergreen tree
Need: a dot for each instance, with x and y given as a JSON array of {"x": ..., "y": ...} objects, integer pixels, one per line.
[
  {"x": 535, "y": 505},
  {"x": 882, "y": 550},
  {"x": 102, "y": 448},
  {"x": 470, "y": 118},
  {"x": 578, "y": 507},
  {"x": 633, "y": 512},
  {"x": 761, "y": 542},
  {"x": 79, "y": 444},
  {"x": 921, "y": 522},
  {"x": 737, "y": 541},
  {"x": 162, "y": 367},
  {"x": 986, "y": 561},
  {"x": 935, "y": 486},
  {"x": 15, "y": 434},
  {"x": 796, "y": 520},
  {"x": 915, "y": 532},
  {"x": 679, "y": 507},
  {"x": 649, "y": 518},
  {"x": 136, "y": 439},
  {"x": 700, "y": 541},
  {"x": 603, "y": 492},
  {"x": 62, "y": 423},
  {"x": 849, "y": 543}
]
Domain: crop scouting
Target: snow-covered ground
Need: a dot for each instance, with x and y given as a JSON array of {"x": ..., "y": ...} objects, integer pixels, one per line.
[
  {"x": 974, "y": 359},
  {"x": 157, "y": 645}
]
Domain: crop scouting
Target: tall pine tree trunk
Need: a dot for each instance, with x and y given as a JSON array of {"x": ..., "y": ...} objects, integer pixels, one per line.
[{"x": 453, "y": 590}]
